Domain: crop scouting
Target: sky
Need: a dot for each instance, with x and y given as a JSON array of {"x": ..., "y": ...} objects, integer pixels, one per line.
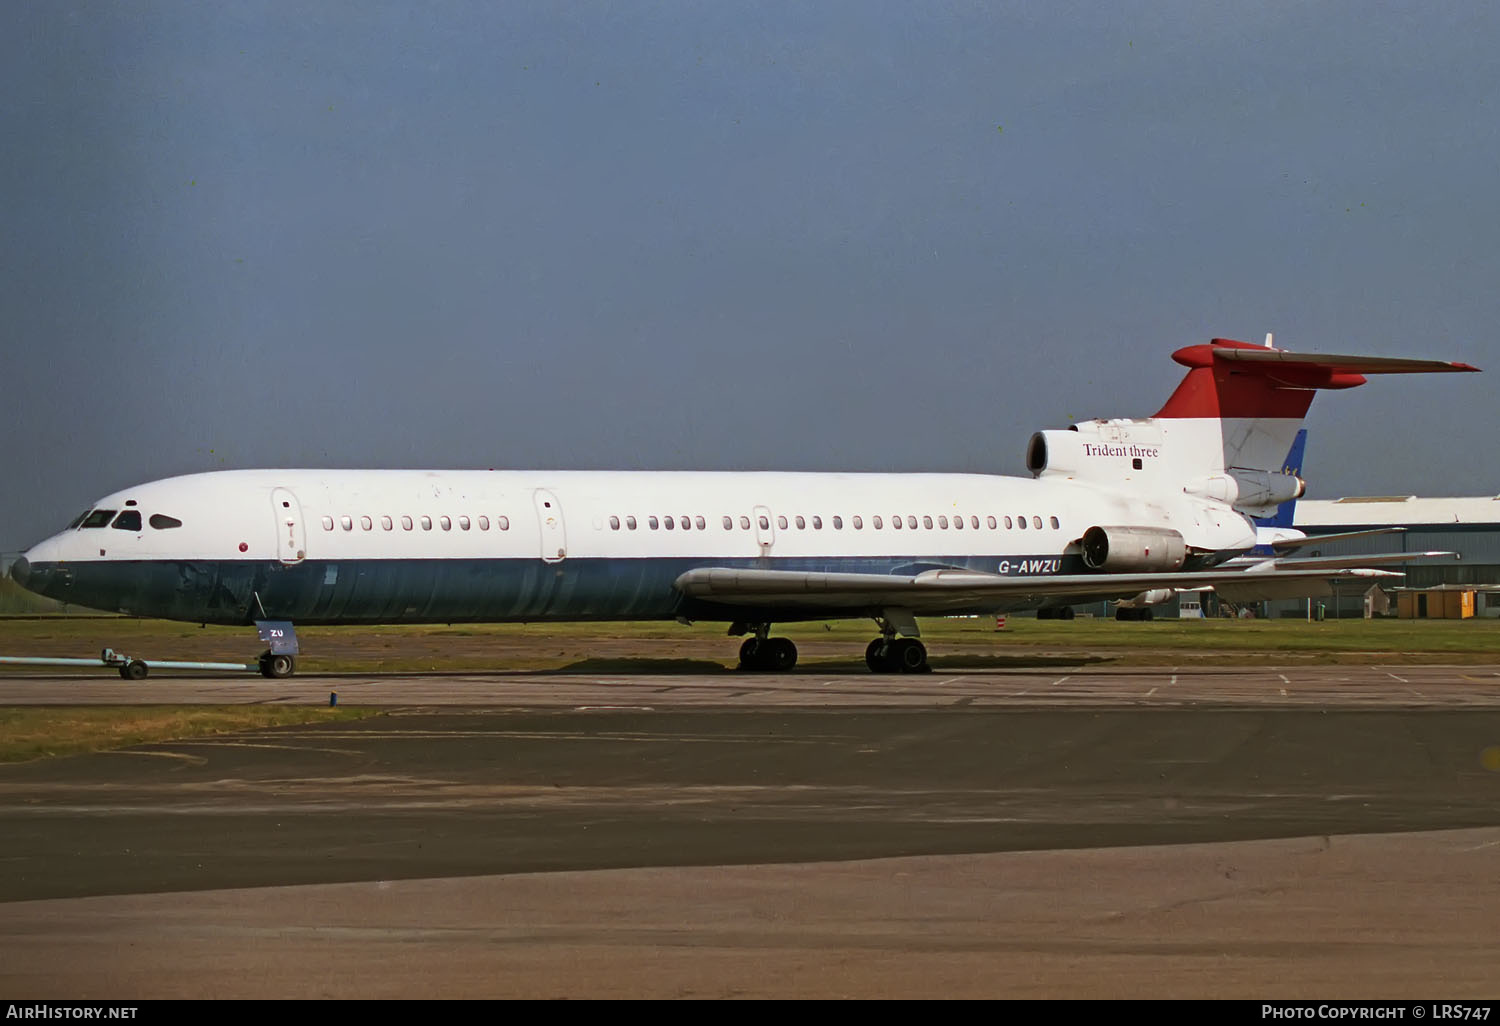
[{"x": 816, "y": 235}]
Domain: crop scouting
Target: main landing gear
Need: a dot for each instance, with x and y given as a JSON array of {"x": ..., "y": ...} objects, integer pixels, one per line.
[
  {"x": 896, "y": 655},
  {"x": 888, "y": 653},
  {"x": 768, "y": 655}
]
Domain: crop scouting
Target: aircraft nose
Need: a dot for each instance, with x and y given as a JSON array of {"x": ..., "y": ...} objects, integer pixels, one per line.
[{"x": 20, "y": 571}]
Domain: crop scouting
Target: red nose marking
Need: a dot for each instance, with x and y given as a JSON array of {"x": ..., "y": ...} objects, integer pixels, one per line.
[{"x": 244, "y": 547}]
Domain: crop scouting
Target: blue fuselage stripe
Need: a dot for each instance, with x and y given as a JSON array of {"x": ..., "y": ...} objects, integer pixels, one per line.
[{"x": 375, "y": 591}]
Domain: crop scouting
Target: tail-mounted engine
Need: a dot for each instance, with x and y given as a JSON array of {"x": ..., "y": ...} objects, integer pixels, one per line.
[
  {"x": 1256, "y": 492},
  {"x": 1133, "y": 549}
]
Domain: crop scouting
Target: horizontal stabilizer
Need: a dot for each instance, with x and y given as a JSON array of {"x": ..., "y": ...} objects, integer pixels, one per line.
[{"x": 1340, "y": 364}]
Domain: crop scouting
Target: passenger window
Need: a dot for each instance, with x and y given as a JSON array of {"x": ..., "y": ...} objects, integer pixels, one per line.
[
  {"x": 1036, "y": 522},
  {"x": 327, "y": 523},
  {"x": 991, "y": 522},
  {"x": 162, "y": 522},
  {"x": 1056, "y": 524},
  {"x": 406, "y": 523},
  {"x": 801, "y": 524},
  {"x": 838, "y": 523},
  {"x": 653, "y": 523},
  {"x": 503, "y": 523},
  {"x": 765, "y": 523},
  {"x": 699, "y": 523},
  {"x": 684, "y": 523},
  {"x": 365, "y": 523},
  {"x": 463, "y": 523},
  {"x": 447, "y": 524},
  {"x": 958, "y": 523},
  {"x": 347, "y": 523},
  {"x": 614, "y": 523},
  {"x": 668, "y": 523},
  {"x": 927, "y": 523},
  {"x": 911, "y": 521},
  {"x": 729, "y": 524},
  {"x": 630, "y": 523},
  {"x": 426, "y": 523},
  {"x": 386, "y": 524},
  {"x": 943, "y": 523},
  {"x": 1008, "y": 524},
  {"x": 484, "y": 523},
  {"x": 98, "y": 518},
  {"x": 744, "y": 523},
  {"x": 1020, "y": 522},
  {"x": 130, "y": 520},
  {"x": 781, "y": 523},
  {"x": 974, "y": 522},
  {"x": 859, "y": 524},
  {"x": 896, "y": 523},
  {"x": 875, "y": 522}
]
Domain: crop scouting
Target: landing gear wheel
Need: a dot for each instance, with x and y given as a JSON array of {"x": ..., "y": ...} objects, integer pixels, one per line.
[
  {"x": 899, "y": 655},
  {"x": 277, "y": 666},
  {"x": 134, "y": 670},
  {"x": 773, "y": 655},
  {"x": 749, "y": 654},
  {"x": 909, "y": 656},
  {"x": 779, "y": 655}
]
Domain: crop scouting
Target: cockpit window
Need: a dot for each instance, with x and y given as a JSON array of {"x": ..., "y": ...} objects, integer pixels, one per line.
[
  {"x": 77, "y": 520},
  {"x": 162, "y": 522},
  {"x": 98, "y": 518},
  {"x": 130, "y": 520}
]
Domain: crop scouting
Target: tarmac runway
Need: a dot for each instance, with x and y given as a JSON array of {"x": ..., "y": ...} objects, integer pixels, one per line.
[{"x": 1261, "y": 833}]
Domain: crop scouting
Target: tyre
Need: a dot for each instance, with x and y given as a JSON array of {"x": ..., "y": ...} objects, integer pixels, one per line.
[
  {"x": 277, "y": 667},
  {"x": 134, "y": 670},
  {"x": 781, "y": 655},
  {"x": 909, "y": 655}
]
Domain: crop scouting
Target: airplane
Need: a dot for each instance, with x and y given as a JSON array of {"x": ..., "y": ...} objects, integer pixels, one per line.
[
  {"x": 1113, "y": 508},
  {"x": 1275, "y": 543}
]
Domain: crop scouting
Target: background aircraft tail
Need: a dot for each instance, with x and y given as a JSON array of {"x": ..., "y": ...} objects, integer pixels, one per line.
[{"x": 1286, "y": 513}]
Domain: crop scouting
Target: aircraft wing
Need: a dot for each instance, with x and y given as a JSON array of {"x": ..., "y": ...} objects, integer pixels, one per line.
[
  {"x": 1316, "y": 539},
  {"x": 936, "y": 592},
  {"x": 1254, "y": 564}
]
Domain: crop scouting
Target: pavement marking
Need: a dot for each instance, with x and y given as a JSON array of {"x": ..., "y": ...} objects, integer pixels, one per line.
[
  {"x": 1391, "y": 675},
  {"x": 1057, "y": 682}
]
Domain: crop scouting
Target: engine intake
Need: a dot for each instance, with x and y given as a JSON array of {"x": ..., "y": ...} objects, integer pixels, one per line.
[{"x": 1133, "y": 549}]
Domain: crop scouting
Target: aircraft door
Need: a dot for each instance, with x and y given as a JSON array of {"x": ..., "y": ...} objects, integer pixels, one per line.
[
  {"x": 765, "y": 529},
  {"x": 554, "y": 538},
  {"x": 291, "y": 532}
]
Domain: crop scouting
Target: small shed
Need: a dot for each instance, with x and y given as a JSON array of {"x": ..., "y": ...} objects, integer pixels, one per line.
[{"x": 1441, "y": 603}]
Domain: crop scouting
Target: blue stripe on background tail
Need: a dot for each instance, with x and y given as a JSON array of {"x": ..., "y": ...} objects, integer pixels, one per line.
[{"x": 1293, "y": 465}]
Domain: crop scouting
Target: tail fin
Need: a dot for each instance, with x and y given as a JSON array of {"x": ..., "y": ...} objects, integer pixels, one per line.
[
  {"x": 1223, "y": 432},
  {"x": 1259, "y": 395}
]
